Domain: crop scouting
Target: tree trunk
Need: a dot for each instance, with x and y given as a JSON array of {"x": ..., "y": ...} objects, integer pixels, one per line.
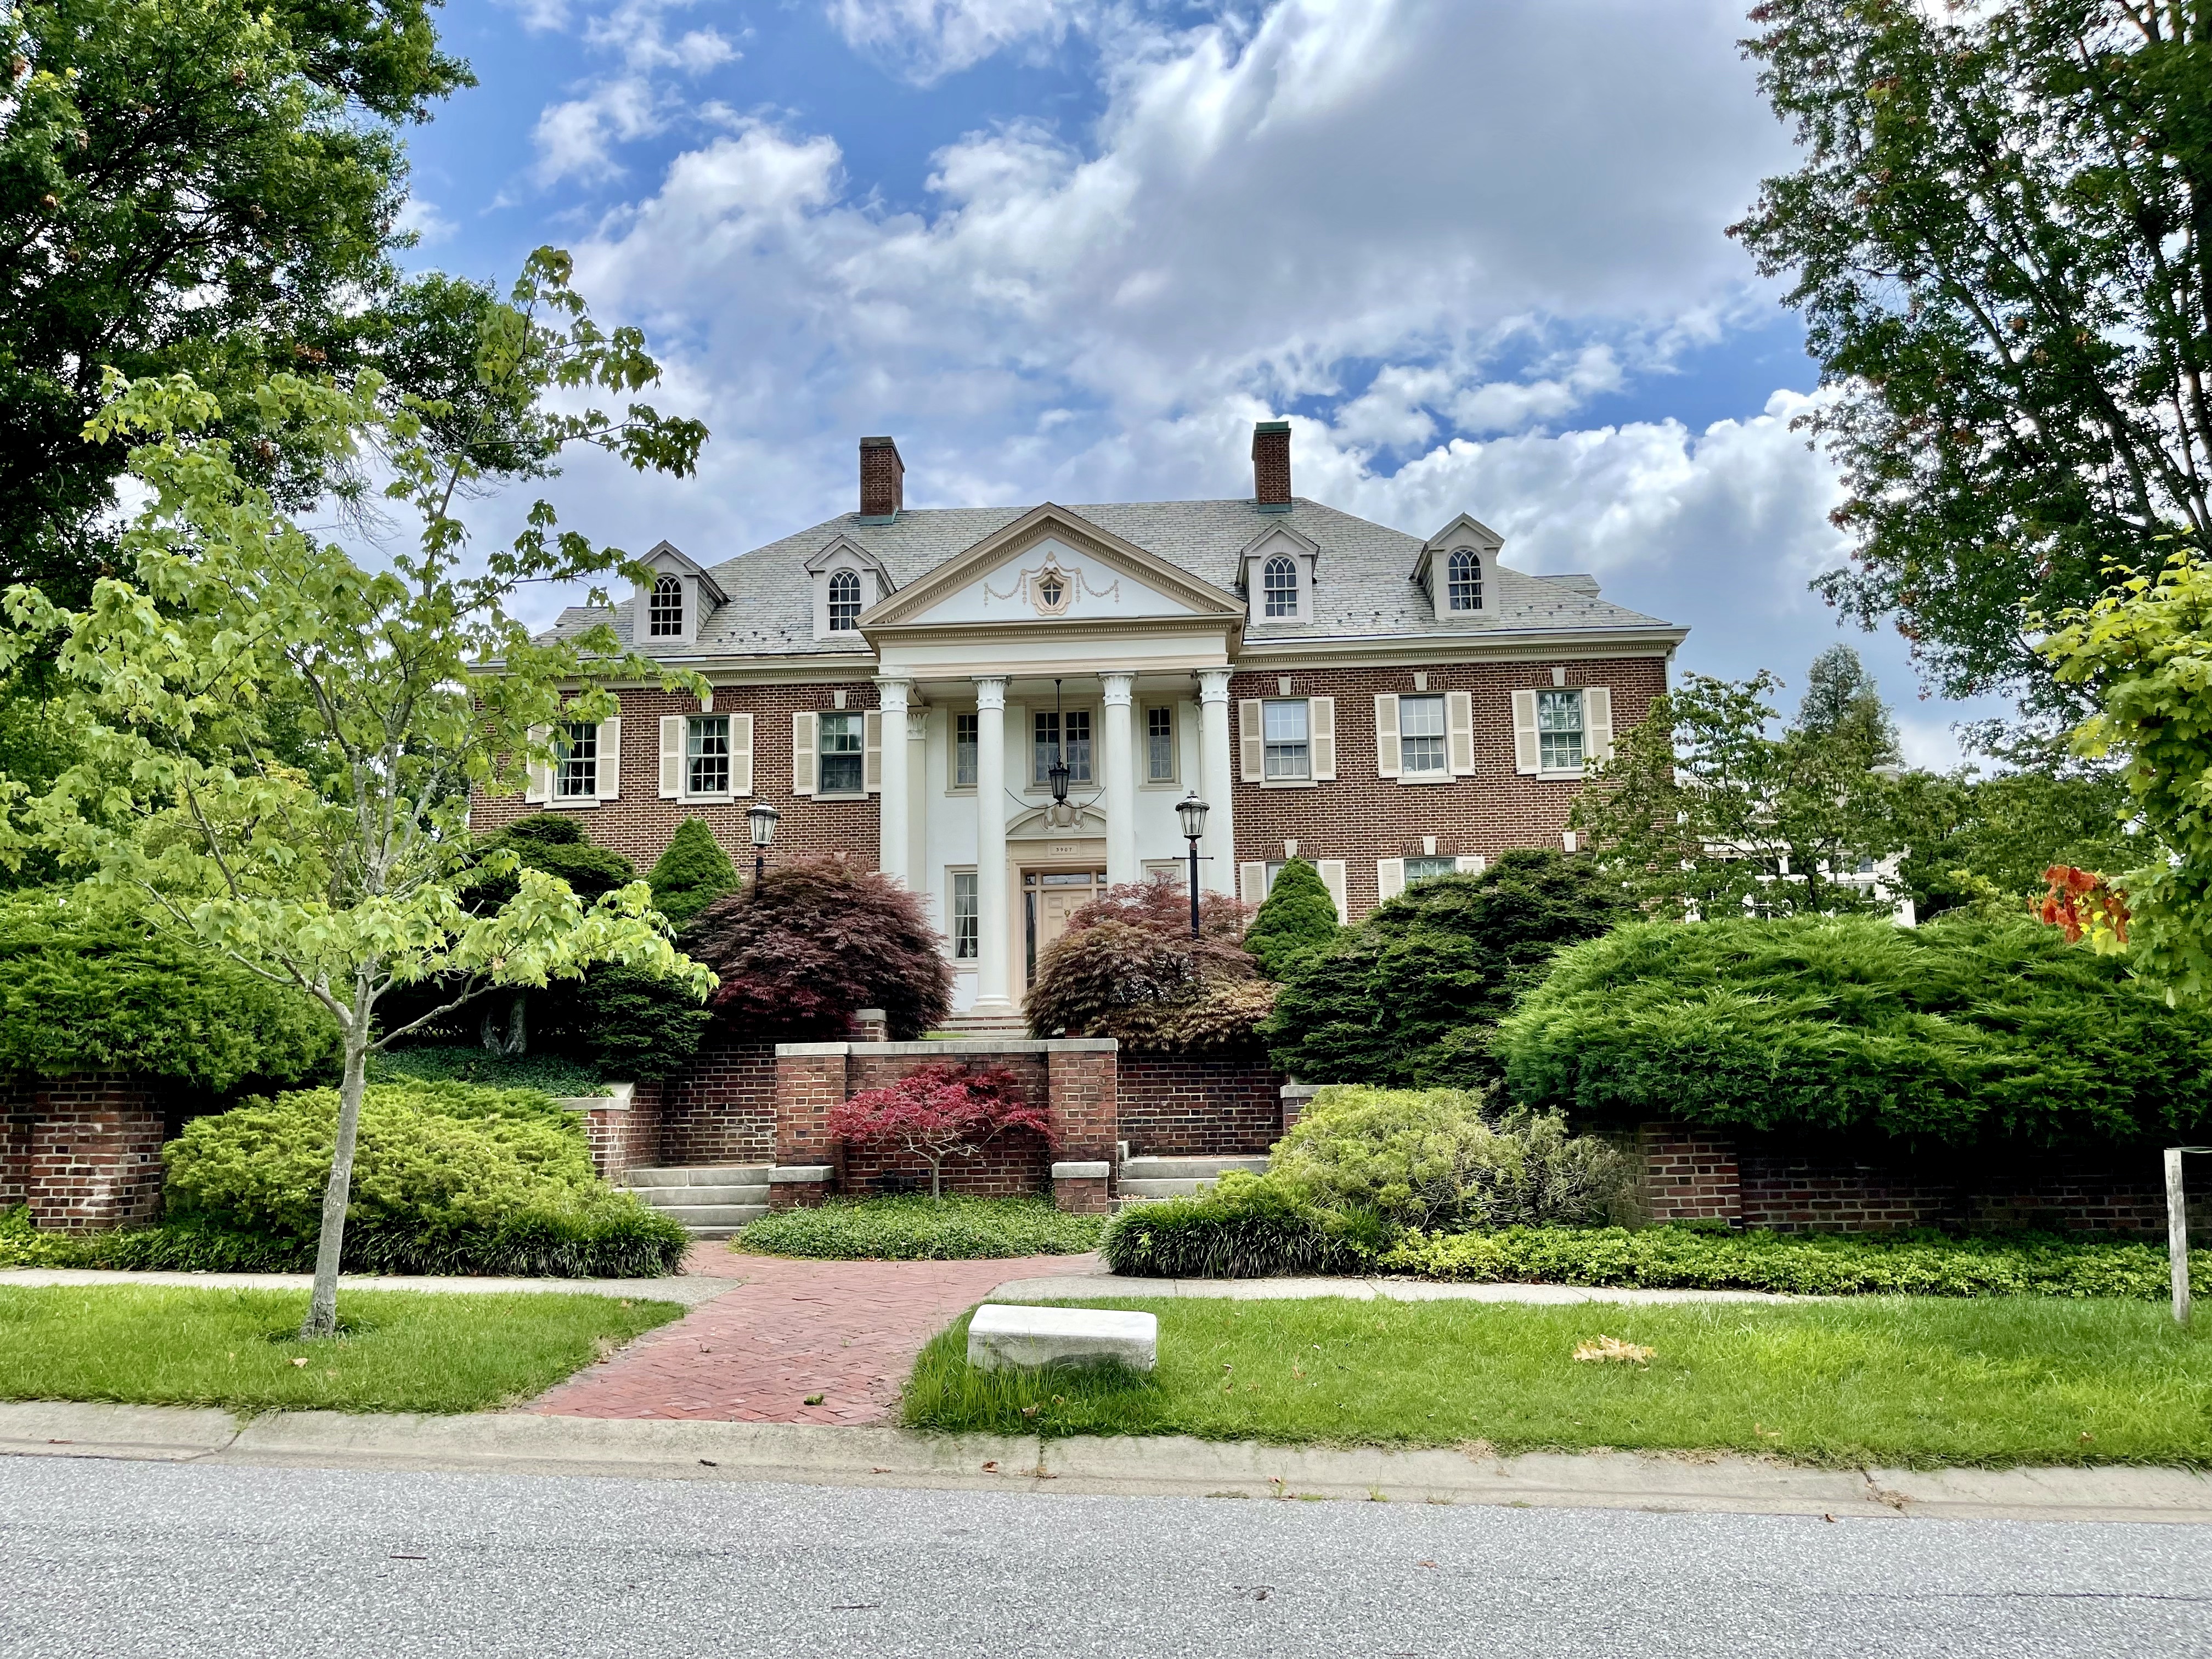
[
  {"x": 936, "y": 1190},
  {"x": 323, "y": 1306}
]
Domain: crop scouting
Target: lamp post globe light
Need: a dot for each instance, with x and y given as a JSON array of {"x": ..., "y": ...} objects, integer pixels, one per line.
[
  {"x": 760, "y": 818},
  {"x": 1192, "y": 810}
]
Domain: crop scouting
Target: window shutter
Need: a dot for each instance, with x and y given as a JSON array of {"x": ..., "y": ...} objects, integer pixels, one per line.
[
  {"x": 1252, "y": 883},
  {"x": 671, "y": 757},
  {"x": 607, "y": 783},
  {"x": 871, "y": 751},
  {"x": 538, "y": 776},
  {"x": 1458, "y": 729},
  {"x": 1388, "y": 758},
  {"x": 1390, "y": 877},
  {"x": 1597, "y": 723},
  {"x": 1470, "y": 863},
  {"x": 741, "y": 754},
  {"x": 1321, "y": 731},
  {"x": 1525, "y": 750},
  {"x": 1332, "y": 877},
  {"x": 803, "y": 754},
  {"x": 1252, "y": 748}
]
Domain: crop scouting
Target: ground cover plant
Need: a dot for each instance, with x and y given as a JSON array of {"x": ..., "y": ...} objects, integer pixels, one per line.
[
  {"x": 910, "y": 1227},
  {"x": 1884, "y": 1381},
  {"x": 396, "y": 1351},
  {"x": 1970, "y": 1030},
  {"x": 558, "y": 1075}
]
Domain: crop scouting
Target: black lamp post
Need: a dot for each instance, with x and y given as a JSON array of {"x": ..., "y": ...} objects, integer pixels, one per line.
[
  {"x": 1057, "y": 772},
  {"x": 1192, "y": 810},
  {"x": 761, "y": 819}
]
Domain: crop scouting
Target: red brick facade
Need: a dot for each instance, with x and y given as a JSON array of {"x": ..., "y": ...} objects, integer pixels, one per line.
[
  {"x": 82, "y": 1152},
  {"x": 721, "y": 1109},
  {"x": 1179, "y": 1106}
]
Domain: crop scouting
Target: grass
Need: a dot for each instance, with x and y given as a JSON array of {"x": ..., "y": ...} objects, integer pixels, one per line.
[
  {"x": 919, "y": 1228},
  {"x": 399, "y": 1352},
  {"x": 1912, "y": 1381}
]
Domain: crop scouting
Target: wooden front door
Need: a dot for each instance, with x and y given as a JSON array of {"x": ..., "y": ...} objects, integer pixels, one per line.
[{"x": 1049, "y": 897}]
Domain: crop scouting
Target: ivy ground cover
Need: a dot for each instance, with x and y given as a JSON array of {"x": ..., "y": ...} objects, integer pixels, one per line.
[{"x": 1893, "y": 1380}]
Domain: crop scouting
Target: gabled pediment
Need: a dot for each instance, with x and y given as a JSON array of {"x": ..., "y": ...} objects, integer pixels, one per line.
[
  {"x": 666, "y": 556},
  {"x": 1049, "y": 564},
  {"x": 843, "y": 550}
]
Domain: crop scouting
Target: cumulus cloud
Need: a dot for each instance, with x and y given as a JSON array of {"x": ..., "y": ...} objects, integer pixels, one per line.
[
  {"x": 576, "y": 137},
  {"x": 929, "y": 39}
]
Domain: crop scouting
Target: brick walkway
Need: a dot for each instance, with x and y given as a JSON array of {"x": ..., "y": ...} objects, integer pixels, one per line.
[{"x": 846, "y": 1330}]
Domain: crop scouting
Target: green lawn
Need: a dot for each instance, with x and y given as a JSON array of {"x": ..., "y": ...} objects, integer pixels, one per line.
[
  {"x": 1919, "y": 1381},
  {"x": 402, "y": 1351}
]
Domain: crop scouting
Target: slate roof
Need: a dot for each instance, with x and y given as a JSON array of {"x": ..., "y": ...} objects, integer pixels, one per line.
[{"x": 1363, "y": 578}]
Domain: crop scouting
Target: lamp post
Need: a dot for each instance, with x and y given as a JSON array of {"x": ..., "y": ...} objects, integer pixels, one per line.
[
  {"x": 1192, "y": 810},
  {"x": 761, "y": 819},
  {"x": 1056, "y": 773}
]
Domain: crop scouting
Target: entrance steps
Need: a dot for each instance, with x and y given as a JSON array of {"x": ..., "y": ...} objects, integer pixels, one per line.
[
  {"x": 967, "y": 1026},
  {"x": 711, "y": 1201},
  {"x": 1179, "y": 1177}
]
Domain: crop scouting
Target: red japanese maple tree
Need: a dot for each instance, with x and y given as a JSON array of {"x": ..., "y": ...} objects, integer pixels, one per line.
[{"x": 939, "y": 1112}]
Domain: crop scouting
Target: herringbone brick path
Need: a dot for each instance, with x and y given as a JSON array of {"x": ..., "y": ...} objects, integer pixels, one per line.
[{"x": 846, "y": 1330}]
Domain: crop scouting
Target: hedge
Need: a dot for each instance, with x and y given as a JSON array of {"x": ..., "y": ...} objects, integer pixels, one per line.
[
  {"x": 916, "y": 1228},
  {"x": 1969, "y": 1031}
]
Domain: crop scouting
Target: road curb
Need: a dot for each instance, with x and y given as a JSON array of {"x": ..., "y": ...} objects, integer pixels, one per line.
[{"x": 819, "y": 1455}]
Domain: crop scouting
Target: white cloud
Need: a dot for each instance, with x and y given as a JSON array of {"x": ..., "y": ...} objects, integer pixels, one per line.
[
  {"x": 576, "y": 138},
  {"x": 420, "y": 219},
  {"x": 931, "y": 39}
]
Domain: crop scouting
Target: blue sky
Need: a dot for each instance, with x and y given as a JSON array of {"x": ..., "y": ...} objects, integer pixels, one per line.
[{"x": 1474, "y": 249}]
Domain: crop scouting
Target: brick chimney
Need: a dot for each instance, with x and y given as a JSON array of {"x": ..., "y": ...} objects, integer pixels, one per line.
[
  {"x": 882, "y": 480},
  {"x": 1271, "y": 466}
]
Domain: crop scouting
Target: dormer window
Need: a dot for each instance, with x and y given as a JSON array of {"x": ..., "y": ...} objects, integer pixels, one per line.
[
  {"x": 1464, "y": 579},
  {"x": 1279, "y": 580},
  {"x": 844, "y": 602},
  {"x": 665, "y": 614}
]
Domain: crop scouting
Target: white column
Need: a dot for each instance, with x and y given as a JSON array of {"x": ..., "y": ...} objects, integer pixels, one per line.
[
  {"x": 994, "y": 971},
  {"x": 1119, "y": 760},
  {"x": 895, "y": 798},
  {"x": 1216, "y": 772},
  {"x": 919, "y": 876}
]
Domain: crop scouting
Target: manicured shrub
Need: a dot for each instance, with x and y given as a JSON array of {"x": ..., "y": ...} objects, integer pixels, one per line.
[
  {"x": 1916, "y": 1263},
  {"x": 548, "y": 1073},
  {"x": 1409, "y": 997},
  {"x": 691, "y": 872},
  {"x": 1442, "y": 1158},
  {"x": 555, "y": 843},
  {"x": 1128, "y": 967},
  {"x": 1248, "y": 1227},
  {"x": 86, "y": 991},
  {"x": 814, "y": 941},
  {"x": 1296, "y": 919},
  {"x": 912, "y": 1228},
  {"x": 1969, "y": 1031},
  {"x": 938, "y": 1112}
]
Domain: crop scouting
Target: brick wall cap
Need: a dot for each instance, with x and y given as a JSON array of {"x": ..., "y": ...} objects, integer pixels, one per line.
[
  {"x": 1081, "y": 1172},
  {"x": 799, "y": 1174},
  {"x": 867, "y": 1014},
  {"x": 1302, "y": 1091}
]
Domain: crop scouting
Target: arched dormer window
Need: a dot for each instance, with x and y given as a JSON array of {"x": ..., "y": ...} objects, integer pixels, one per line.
[
  {"x": 1279, "y": 580},
  {"x": 1463, "y": 579},
  {"x": 844, "y": 601},
  {"x": 665, "y": 615}
]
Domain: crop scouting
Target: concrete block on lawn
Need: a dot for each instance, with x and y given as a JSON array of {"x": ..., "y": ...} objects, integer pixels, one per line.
[{"x": 1024, "y": 1337}]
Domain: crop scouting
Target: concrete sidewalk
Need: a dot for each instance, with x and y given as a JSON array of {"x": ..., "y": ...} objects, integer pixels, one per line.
[
  {"x": 688, "y": 1289},
  {"x": 809, "y": 1455}
]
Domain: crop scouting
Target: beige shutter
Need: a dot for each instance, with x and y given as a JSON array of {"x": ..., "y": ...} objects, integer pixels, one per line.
[
  {"x": 1252, "y": 883},
  {"x": 1470, "y": 863},
  {"x": 1526, "y": 753},
  {"x": 537, "y": 774},
  {"x": 1332, "y": 877},
  {"x": 741, "y": 754},
  {"x": 1388, "y": 758},
  {"x": 871, "y": 751},
  {"x": 606, "y": 784},
  {"x": 1459, "y": 731},
  {"x": 1320, "y": 729},
  {"x": 1597, "y": 723},
  {"x": 671, "y": 757},
  {"x": 1252, "y": 749},
  {"x": 1390, "y": 877},
  {"x": 803, "y": 754}
]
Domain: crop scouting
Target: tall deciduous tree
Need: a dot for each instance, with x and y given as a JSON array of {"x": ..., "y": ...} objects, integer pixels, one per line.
[
  {"x": 1998, "y": 240},
  {"x": 277, "y": 745}
]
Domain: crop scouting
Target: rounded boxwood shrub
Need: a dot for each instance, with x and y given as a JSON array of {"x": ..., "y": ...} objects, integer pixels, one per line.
[{"x": 1968, "y": 1031}]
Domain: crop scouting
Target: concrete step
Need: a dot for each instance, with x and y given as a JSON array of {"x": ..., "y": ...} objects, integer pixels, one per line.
[
  {"x": 665, "y": 1198},
  {"x": 979, "y": 1025},
  {"x": 1187, "y": 1168},
  {"x": 704, "y": 1218},
  {"x": 704, "y": 1174}
]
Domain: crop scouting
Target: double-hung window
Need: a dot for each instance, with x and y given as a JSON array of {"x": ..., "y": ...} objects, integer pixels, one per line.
[
  {"x": 707, "y": 755},
  {"x": 665, "y": 612},
  {"x": 1279, "y": 582},
  {"x": 1421, "y": 738},
  {"x": 1463, "y": 581},
  {"x": 965, "y": 737},
  {"x": 841, "y": 742},
  {"x": 1285, "y": 730},
  {"x": 1053, "y": 730},
  {"x": 963, "y": 915},
  {"x": 1159, "y": 745},
  {"x": 844, "y": 602},
  {"x": 1559, "y": 730},
  {"x": 1418, "y": 870},
  {"x": 577, "y": 775}
]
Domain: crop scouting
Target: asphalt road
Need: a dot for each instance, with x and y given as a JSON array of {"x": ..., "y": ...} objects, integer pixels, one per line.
[{"x": 119, "y": 1559}]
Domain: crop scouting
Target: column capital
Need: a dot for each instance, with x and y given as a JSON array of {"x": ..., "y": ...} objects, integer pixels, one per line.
[
  {"x": 917, "y": 725},
  {"x": 1118, "y": 689},
  {"x": 892, "y": 692},
  {"x": 991, "y": 691},
  {"x": 1213, "y": 684}
]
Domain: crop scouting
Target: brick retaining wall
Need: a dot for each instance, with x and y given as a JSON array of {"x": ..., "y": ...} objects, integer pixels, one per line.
[
  {"x": 721, "y": 1109},
  {"x": 1181, "y": 1106},
  {"x": 83, "y": 1152}
]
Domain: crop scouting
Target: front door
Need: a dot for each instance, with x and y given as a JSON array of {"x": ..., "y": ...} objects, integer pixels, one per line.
[{"x": 1049, "y": 897}]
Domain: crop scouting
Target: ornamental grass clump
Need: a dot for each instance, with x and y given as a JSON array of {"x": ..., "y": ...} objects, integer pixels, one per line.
[{"x": 938, "y": 1113}]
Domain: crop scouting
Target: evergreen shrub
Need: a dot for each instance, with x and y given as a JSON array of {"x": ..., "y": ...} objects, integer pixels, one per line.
[
  {"x": 1248, "y": 1226},
  {"x": 691, "y": 872},
  {"x": 1296, "y": 919},
  {"x": 1969, "y": 1031}
]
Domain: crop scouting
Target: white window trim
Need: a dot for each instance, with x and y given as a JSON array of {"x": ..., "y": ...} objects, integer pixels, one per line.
[
  {"x": 1143, "y": 744},
  {"x": 1030, "y": 786},
  {"x": 961, "y": 965},
  {"x": 871, "y": 590},
  {"x": 675, "y": 757},
  {"x": 952, "y": 784},
  {"x": 606, "y": 770},
  {"x": 1528, "y": 742}
]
